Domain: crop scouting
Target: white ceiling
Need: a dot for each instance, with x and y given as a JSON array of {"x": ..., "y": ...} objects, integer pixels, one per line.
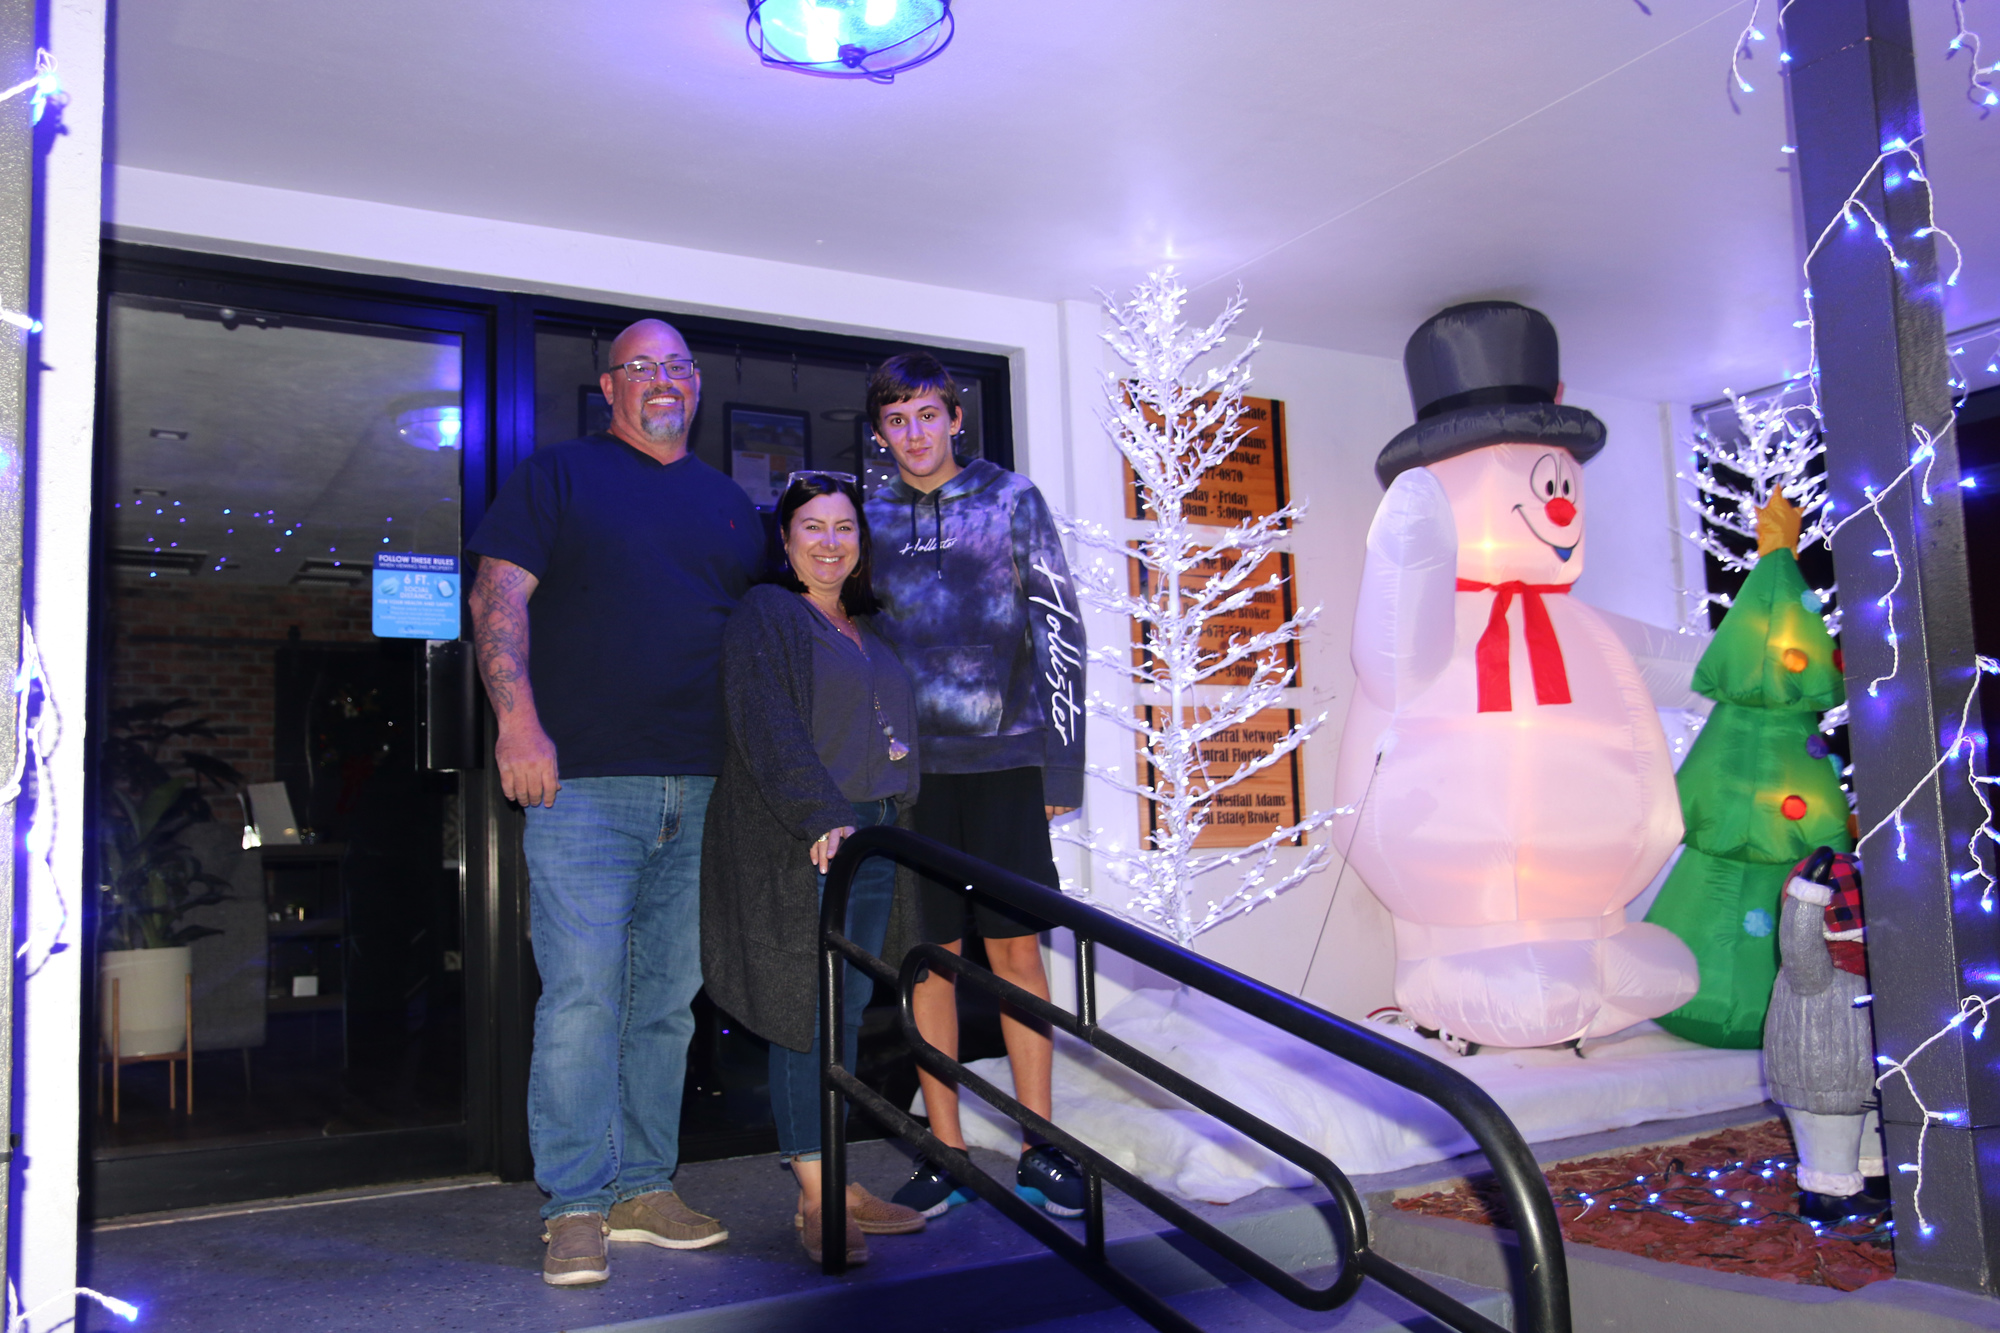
[
  {"x": 262, "y": 448},
  {"x": 1356, "y": 166}
]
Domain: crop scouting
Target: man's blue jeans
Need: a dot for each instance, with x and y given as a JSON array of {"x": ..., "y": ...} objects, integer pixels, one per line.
[{"x": 614, "y": 872}]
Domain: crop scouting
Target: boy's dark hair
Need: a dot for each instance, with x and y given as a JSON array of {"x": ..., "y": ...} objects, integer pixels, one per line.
[
  {"x": 908, "y": 375},
  {"x": 857, "y": 595}
]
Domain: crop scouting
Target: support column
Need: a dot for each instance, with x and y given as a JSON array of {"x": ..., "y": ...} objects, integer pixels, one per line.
[
  {"x": 17, "y": 181},
  {"x": 54, "y": 1045},
  {"x": 1883, "y": 368}
]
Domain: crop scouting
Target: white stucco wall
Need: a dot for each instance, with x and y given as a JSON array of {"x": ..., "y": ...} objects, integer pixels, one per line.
[{"x": 57, "y": 604}]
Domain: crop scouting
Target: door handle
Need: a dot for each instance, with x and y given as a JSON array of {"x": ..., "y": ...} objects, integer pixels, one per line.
[{"x": 448, "y": 727}]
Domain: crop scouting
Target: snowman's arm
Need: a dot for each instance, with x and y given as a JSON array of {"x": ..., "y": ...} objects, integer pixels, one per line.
[
  {"x": 1802, "y": 947},
  {"x": 1404, "y": 618},
  {"x": 1666, "y": 659}
]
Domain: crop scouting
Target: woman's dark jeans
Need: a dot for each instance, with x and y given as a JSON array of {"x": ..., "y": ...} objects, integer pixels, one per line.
[{"x": 795, "y": 1074}]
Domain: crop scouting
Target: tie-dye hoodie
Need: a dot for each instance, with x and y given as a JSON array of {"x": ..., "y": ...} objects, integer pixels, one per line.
[{"x": 978, "y": 603}]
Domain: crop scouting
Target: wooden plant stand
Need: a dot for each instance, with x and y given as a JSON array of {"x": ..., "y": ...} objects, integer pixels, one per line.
[{"x": 118, "y": 1059}]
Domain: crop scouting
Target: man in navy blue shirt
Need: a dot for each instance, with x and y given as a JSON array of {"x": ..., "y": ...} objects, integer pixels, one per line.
[{"x": 607, "y": 568}]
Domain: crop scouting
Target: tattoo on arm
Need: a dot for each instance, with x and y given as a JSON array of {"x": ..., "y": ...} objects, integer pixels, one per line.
[{"x": 500, "y": 632}]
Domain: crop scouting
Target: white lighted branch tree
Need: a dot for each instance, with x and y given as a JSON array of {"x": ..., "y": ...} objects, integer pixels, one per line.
[
  {"x": 1772, "y": 453},
  {"x": 1174, "y": 423}
]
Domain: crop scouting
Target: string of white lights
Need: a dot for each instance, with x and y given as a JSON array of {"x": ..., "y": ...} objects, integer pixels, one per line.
[
  {"x": 1978, "y": 91},
  {"x": 1967, "y": 1007},
  {"x": 18, "y": 1318},
  {"x": 37, "y": 729},
  {"x": 43, "y": 84},
  {"x": 46, "y": 88}
]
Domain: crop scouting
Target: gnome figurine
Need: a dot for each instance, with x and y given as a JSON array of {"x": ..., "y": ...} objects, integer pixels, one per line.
[
  {"x": 1510, "y": 785},
  {"x": 1819, "y": 1049}
]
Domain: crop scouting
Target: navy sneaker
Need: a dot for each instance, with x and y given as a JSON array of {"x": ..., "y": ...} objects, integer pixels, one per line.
[
  {"x": 1052, "y": 1181},
  {"x": 931, "y": 1191}
]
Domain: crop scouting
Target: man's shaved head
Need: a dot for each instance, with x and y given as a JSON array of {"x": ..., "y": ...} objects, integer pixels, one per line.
[
  {"x": 653, "y": 414},
  {"x": 641, "y": 338}
]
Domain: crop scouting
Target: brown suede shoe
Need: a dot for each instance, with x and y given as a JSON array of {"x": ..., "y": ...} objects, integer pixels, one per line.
[
  {"x": 875, "y": 1217},
  {"x": 576, "y": 1250},
  {"x": 809, "y": 1228},
  {"x": 660, "y": 1218}
]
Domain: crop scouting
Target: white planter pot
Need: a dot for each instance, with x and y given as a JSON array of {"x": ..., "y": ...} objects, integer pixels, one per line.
[{"x": 152, "y": 999}]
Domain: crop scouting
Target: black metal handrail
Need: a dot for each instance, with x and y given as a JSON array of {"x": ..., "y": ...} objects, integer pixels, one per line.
[{"x": 1543, "y": 1296}]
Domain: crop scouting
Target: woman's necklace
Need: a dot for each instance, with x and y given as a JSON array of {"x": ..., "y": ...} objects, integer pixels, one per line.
[
  {"x": 845, "y": 624},
  {"x": 841, "y": 621},
  {"x": 897, "y": 750}
]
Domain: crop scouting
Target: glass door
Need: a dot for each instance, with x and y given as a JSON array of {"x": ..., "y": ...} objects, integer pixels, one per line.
[{"x": 281, "y": 725}]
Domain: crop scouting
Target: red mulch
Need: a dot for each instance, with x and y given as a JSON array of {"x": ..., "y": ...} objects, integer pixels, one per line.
[{"x": 1602, "y": 1201}]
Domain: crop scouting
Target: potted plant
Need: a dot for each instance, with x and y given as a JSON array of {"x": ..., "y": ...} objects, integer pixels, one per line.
[{"x": 150, "y": 878}]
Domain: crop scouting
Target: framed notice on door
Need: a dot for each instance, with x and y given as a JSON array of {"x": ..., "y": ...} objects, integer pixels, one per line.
[
  {"x": 1249, "y": 483},
  {"x": 1247, "y": 812},
  {"x": 766, "y": 445}
]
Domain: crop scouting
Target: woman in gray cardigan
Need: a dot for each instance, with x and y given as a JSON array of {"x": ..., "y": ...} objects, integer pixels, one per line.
[{"x": 822, "y": 726}]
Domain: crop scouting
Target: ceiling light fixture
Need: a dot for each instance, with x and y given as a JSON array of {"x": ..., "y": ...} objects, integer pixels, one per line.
[{"x": 849, "y": 39}]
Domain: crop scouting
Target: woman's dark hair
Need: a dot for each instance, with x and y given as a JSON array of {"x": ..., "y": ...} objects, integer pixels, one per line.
[
  {"x": 905, "y": 376},
  {"x": 857, "y": 595}
]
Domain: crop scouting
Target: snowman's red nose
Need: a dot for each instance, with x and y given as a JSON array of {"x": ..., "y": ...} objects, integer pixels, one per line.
[{"x": 1560, "y": 511}]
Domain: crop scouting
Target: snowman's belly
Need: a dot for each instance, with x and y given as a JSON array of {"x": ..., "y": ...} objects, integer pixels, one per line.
[{"x": 1538, "y": 812}]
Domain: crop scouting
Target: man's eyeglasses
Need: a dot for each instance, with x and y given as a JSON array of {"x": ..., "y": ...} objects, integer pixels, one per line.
[
  {"x": 810, "y": 473},
  {"x": 642, "y": 370}
]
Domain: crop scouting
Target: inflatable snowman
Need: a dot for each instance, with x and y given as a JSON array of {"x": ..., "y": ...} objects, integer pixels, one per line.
[{"x": 1510, "y": 783}]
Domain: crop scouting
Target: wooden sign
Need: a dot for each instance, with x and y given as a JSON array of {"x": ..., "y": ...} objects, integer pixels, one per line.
[
  {"x": 1248, "y": 484},
  {"x": 1249, "y": 811},
  {"x": 1267, "y": 610}
]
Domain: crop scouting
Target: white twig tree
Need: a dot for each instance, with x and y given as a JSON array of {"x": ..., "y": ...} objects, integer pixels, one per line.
[
  {"x": 1173, "y": 423},
  {"x": 1737, "y": 475}
]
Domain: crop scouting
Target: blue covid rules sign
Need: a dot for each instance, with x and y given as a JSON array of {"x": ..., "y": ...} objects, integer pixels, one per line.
[{"x": 416, "y": 596}]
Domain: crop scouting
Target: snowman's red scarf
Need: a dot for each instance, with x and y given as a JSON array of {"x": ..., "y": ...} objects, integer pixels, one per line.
[{"x": 1545, "y": 654}]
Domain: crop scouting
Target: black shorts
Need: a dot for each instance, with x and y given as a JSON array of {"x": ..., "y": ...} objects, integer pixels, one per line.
[{"x": 997, "y": 817}]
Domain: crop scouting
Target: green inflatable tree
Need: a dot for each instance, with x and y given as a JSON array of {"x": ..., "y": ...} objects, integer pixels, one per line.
[{"x": 1758, "y": 790}]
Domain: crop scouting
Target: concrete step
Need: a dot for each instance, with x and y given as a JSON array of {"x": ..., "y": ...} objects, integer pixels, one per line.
[{"x": 1041, "y": 1292}]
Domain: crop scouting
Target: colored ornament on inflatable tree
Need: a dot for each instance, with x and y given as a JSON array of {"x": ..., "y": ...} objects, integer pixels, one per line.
[{"x": 1759, "y": 791}]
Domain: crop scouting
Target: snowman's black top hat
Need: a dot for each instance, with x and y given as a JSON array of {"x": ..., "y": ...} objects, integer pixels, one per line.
[{"x": 1485, "y": 373}]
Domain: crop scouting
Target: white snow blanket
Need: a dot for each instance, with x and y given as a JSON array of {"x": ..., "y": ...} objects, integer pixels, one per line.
[{"x": 1364, "y": 1124}]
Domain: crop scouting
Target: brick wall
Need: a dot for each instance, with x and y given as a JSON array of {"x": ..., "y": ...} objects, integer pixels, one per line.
[{"x": 204, "y": 639}]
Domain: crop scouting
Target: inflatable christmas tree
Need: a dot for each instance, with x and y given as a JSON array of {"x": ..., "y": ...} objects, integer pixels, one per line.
[{"x": 1759, "y": 790}]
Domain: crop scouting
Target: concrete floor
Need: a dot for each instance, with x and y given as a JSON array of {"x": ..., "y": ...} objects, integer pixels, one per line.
[{"x": 466, "y": 1255}]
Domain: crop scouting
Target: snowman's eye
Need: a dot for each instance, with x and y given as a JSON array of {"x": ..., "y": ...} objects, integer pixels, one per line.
[
  {"x": 1543, "y": 476},
  {"x": 1565, "y": 485}
]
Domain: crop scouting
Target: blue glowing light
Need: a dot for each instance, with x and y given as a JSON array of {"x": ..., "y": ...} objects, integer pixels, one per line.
[
  {"x": 431, "y": 427},
  {"x": 849, "y": 39}
]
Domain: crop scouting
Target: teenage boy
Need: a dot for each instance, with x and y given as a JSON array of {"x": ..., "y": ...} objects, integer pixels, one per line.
[{"x": 977, "y": 601}]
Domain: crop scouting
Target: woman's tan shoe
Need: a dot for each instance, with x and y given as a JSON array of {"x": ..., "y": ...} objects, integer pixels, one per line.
[
  {"x": 809, "y": 1236},
  {"x": 876, "y": 1217}
]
